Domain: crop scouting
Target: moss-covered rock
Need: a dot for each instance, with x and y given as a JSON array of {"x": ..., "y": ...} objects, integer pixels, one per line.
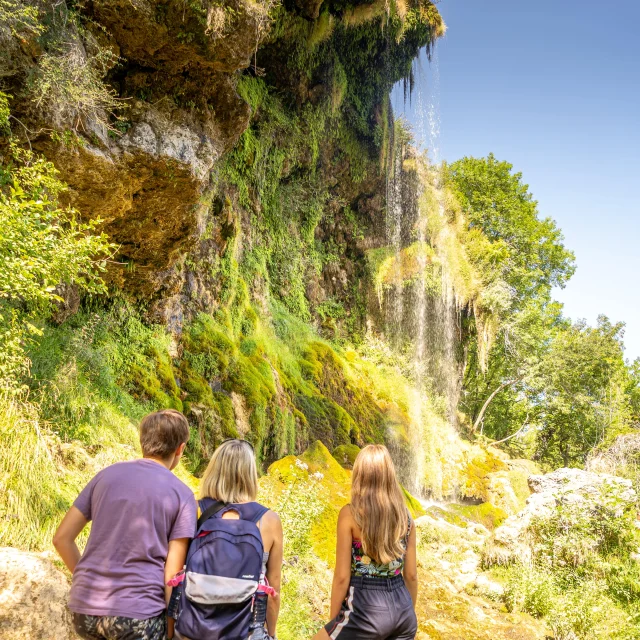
[
  {"x": 486, "y": 514},
  {"x": 346, "y": 455},
  {"x": 413, "y": 504}
]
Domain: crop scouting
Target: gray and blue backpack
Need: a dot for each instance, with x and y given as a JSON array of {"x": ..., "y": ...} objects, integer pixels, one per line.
[{"x": 222, "y": 573}]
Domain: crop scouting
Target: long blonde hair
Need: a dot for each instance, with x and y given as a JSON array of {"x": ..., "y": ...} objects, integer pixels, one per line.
[
  {"x": 231, "y": 475},
  {"x": 377, "y": 504}
]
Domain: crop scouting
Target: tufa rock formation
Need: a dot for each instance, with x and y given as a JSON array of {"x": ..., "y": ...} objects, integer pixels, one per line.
[{"x": 33, "y": 598}]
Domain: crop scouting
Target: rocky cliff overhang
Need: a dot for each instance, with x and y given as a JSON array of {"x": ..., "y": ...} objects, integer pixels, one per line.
[{"x": 144, "y": 168}]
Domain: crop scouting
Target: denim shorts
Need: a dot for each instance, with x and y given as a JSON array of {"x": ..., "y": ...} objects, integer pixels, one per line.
[{"x": 375, "y": 609}]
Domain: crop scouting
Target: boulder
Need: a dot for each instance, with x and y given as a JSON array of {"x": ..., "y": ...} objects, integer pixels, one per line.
[
  {"x": 584, "y": 490},
  {"x": 33, "y": 598}
]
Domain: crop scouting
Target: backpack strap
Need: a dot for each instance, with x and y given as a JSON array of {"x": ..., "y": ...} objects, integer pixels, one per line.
[
  {"x": 249, "y": 511},
  {"x": 210, "y": 512}
]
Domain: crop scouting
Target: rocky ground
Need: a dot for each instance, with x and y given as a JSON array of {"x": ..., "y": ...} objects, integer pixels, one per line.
[{"x": 458, "y": 600}]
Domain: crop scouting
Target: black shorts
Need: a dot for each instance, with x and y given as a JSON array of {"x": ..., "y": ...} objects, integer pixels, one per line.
[
  {"x": 375, "y": 609},
  {"x": 118, "y": 628}
]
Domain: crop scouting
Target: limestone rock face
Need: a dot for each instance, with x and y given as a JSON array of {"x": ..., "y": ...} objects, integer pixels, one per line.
[
  {"x": 148, "y": 178},
  {"x": 33, "y": 598},
  {"x": 146, "y": 188},
  {"x": 177, "y": 37},
  {"x": 584, "y": 490}
]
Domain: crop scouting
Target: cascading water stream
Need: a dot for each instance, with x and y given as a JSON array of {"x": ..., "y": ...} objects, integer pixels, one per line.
[
  {"x": 395, "y": 311},
  {"x": 418, "y": 316}
]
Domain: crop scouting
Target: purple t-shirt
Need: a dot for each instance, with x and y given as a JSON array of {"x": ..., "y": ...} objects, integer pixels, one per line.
[{"x": 136, "y": 508}]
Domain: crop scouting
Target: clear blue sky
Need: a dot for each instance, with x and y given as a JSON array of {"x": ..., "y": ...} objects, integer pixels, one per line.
[{"x": 554, "y": 88}]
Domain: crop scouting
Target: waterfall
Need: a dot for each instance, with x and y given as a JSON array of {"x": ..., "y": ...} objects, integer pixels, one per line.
[
  {"x": 421, "y": 313},
  {"x": 394, "y": 224}
]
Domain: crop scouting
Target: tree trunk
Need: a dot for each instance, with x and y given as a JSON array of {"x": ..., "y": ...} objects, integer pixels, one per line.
[{"x": 485, "y": 406}]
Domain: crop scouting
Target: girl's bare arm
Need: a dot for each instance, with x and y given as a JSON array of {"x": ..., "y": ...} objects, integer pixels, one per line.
[
  {"x": 273, "y": 524},
  {"x": 410, "y": 572},
  {"x": 342, "y": 574}
]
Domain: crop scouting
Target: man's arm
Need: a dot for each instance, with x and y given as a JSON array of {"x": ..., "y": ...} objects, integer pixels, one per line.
[
  {"x": 176, "y": 557},
  {"x": 64, "y": 539}
]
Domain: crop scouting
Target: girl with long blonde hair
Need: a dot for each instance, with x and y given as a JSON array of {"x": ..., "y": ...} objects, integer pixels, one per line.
[{"x": 375, "y": 583}]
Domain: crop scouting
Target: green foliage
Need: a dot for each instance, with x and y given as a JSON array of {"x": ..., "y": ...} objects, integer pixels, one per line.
[
  {"x": 284, "y": 213},
  {"x": 68, "y": 84},
  {"x": 522, "y": 257},
  {"x": 496, "y": 201},
  {"x": 581, "y": 392},
  {"x": 66, "y": 81},
  {"x": 582, "y": 578},
  {"x": 99, "y": 372},
  {"x": 566, "y": 386},
  {"x": 346, "y": 454},
  {"x": 5, "y": 112},
  {"x": 291, "y": 387},
  {"x": 486, "y": 514},
  {"x": 86, "y": 397},
  {"x": 42, "y": 246},
  {"x": 39, "y": 481},
  {"x": 285, "y": 165},
  {"x": 20, "y": 18}
]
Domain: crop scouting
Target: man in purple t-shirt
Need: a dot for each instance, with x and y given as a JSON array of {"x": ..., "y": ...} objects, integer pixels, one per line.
[{"x": 143, "y": 518}]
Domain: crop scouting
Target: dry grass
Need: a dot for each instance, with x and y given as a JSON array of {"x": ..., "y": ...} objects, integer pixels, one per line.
[{"x": 364, "y": 13}]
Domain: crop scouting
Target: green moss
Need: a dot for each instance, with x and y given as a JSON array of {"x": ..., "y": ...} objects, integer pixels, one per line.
[
  {"x": 346, "y": 455},
  {"x": 477, "y": 482},
  {"x": 485, "y": 514},
  {"x": 451, "y": 517},
  {"x": 413, "y": 504},
  {"x": 211, "y": 424}
]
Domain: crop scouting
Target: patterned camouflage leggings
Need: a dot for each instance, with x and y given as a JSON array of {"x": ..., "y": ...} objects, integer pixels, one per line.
[{"x": 112, "y": 628}]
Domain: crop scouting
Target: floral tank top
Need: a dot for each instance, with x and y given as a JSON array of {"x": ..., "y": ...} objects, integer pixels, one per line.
[{"x": 363, "y": 565}]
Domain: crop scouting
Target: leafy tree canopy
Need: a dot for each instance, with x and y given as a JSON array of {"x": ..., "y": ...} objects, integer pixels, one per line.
[
  {"x": 496, "y": 201},
  {"x": 580, "y": 392}
]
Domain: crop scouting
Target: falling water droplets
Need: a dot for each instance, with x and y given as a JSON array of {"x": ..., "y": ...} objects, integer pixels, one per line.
[{"x": 424, "y": 318}]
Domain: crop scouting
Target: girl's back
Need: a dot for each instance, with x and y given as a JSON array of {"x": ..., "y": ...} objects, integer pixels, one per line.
[
  {"x": 375, "y": 581},
  {"x": 364, "y": 565}
]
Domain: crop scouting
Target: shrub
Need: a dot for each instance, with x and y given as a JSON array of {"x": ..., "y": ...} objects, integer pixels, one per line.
[
  {"x": 41, "y": 247},
  {"x": 582, "y": 578}
]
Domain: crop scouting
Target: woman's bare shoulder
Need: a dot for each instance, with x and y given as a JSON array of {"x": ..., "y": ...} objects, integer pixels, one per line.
[
  {"x": 346, "y": 519},
  {"x": 271, "y": 520},
  {"x": 346, "y": 512}
]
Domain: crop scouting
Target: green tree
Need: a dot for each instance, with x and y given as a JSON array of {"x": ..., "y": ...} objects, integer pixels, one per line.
[
  {"x": 496, "y": 201},
  {"x": 580, "y": 392},
  {"x": 529, "y": 256},
  {"x": 42, "y": 246}
]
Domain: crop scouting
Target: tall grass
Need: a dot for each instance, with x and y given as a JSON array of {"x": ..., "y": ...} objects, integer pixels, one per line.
[
  {"x": 40, "y": 476},
  {"x": 76, "y": 420}
]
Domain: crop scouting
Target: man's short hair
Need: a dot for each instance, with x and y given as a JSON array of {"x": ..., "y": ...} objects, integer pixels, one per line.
[{"x": 162, "y": 432}]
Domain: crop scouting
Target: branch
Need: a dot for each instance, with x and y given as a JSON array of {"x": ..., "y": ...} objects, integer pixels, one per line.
[
  {"x": 504, "y": 385},
  {"x": 520, "y": 430}
]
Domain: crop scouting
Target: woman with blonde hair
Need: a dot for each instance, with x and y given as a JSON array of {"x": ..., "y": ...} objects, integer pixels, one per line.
[
  {"x": 234, "y": 566},
  {"x": 375, "y": 583}
]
